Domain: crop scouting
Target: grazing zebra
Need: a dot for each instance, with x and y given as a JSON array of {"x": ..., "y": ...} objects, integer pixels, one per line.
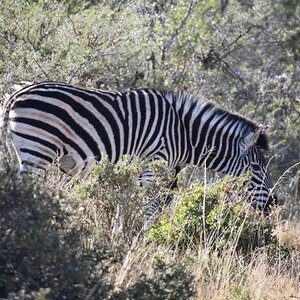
[{"x": 77, "y": 126}]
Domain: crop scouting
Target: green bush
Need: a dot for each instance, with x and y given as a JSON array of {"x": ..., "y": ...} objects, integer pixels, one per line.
[
  {"x": 215, "y": 216},
  {"x": 170, "y": 281},
  {"x": 38, "y": 256}
]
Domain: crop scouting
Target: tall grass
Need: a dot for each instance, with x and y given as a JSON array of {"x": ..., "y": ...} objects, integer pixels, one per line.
[{"x": 219, "y": 249}]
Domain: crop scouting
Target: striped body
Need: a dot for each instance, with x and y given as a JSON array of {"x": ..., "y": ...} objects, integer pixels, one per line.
[{"x": 77, "y": 126}]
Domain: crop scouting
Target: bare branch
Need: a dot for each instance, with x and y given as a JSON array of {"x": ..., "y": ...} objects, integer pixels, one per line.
[
  {"x": 230, "y": 71},
  {"x": 178, "y": 29},
  {"x": 231, "y": 47}
]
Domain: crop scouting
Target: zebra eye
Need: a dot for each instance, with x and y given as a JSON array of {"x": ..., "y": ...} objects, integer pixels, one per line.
[{"x": 255, "y": 167}]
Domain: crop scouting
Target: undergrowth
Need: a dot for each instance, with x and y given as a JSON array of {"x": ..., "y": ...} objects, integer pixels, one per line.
[
  {"x": 57, "y": 240},
  {"x": 217, "y": 215}
]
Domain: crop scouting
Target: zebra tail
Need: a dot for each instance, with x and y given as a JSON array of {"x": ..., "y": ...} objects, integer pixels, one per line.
[
  {"x": 3, "y": 137},
  {"x": 7, "y": 104},
  {"x": 5, "y": 148}
]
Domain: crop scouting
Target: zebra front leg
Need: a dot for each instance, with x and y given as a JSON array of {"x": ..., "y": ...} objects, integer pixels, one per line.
[
  {"x": 156, "y": 206},
  {"x": 153, "y": 208}
]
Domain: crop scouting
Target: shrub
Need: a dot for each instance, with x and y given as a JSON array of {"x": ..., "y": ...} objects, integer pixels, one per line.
[
  {"x": 214, "y": 215},
  {"x": 38, "y": 257},
  {"x": 111, "y": 188},
  {"x": 170, "y": 281}
]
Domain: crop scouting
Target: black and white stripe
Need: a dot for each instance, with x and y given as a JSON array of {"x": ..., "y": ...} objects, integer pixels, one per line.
[{"x": 78, "y": 126}]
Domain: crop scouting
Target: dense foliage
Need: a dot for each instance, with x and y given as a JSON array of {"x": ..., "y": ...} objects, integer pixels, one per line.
[
  {"x": 243, "y": 55},
  {"x": 57, "y": 241},
  {"x": 39, "y": 254},
  {"x": 217, "y": 215}
]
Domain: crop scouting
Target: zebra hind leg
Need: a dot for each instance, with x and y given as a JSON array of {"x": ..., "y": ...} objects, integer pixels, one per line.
[
  {"x": 118, "y": 222},
  {"x": 29, "y": 164},
  {"x": 153, "y": 208}
]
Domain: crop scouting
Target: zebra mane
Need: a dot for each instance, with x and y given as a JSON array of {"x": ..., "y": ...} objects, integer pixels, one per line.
[{"x": 185, "y": 101}]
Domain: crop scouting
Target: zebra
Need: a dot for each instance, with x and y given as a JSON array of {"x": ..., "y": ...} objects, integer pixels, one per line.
[{"x": 51, "y": 121}]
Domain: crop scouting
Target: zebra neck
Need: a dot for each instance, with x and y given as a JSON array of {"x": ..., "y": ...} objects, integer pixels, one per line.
[
  {"x": 204, "y": 134},
  {"x": 218, "y": 144}
]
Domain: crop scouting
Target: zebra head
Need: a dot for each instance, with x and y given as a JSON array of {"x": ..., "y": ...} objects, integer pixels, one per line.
[{"x": 252, "y": 160}]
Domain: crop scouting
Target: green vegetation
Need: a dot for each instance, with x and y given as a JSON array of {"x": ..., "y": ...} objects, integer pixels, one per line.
[
  {"x": 39, "y": 254},
  {"x": 243, "y": 55},
  {"x": 58, "y": 242},
  {"x": 108, "y": 188},
  {"x": 56, "y": 237},
  {"x": 214, "y": 215}
]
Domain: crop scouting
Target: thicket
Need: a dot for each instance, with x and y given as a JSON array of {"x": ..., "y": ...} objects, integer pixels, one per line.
[
  {"x": 243, "y": 55},
  {"x": 217, "y": 215},
  {"x": 57, "y": 242}
]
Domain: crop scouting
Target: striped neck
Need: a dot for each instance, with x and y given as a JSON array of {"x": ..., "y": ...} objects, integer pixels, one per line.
[{"x": 213, "y": 136}]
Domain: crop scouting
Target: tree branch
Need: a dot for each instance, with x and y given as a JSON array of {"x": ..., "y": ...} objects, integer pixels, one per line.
[{"x": 175, "y": 33}]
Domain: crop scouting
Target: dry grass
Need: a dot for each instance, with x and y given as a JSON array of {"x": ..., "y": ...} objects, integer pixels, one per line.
[
  {"x": 288, "y": 234},
  {"x": 256, "y": 279},
  {"x": 228, "y": 276},
  {"x": 262, "y": 274},
  {"x": 266, "y": 273}
]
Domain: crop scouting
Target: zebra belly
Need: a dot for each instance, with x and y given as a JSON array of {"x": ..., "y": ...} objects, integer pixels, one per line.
[
  {"x": 36, "y": 148},
  {"x": 49, "y": 128}
]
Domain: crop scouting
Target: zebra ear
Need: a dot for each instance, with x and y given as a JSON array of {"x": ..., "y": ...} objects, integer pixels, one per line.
[{"x": 252, "y": 138}]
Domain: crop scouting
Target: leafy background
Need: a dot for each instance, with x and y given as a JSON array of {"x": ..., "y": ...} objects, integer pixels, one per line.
[{"x": 243, "y": 55}]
